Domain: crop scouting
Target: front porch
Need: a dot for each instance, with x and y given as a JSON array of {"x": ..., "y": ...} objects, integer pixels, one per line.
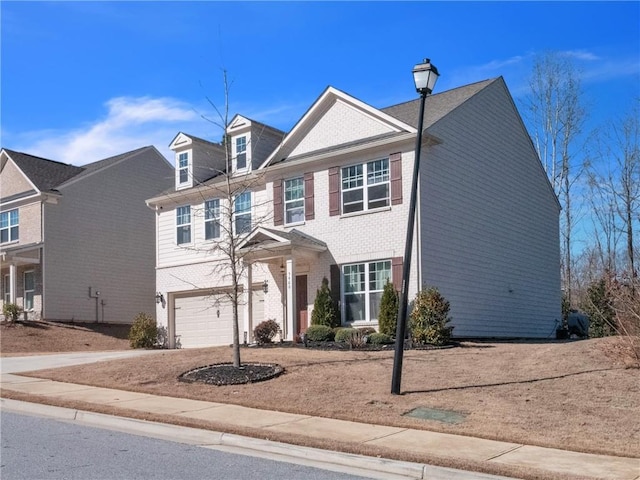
[
  {"x": 288, "y": 257},
  {"x": 22, "y": 282}
]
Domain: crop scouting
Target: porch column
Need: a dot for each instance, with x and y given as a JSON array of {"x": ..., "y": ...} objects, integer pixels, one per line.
[
  {"x": 291, "y": 299},
  {"x": 13, "y": 278},
  {"x": 248, "y": 304}
]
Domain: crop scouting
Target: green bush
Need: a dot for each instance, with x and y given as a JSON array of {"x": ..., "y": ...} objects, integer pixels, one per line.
[
  {"x": 599, "y": 306},
  {"x": 324, "y": 312},
  {"x": 344, "y": 334},
  {"x": 366, "y": 330},
  {"x": 266, "y": 331},
  {"x": 388, "y": 316},
  {"x": 429, "y": 318},
  {"x": 319, "y": 333},
  {"x": 144, "y": 332},
  {"x": 379, "y": 339},
  {"x": 11, "y": 311}
]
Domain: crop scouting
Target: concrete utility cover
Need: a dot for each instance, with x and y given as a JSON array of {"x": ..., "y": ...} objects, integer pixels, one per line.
[{"x": 446, "y": 416}]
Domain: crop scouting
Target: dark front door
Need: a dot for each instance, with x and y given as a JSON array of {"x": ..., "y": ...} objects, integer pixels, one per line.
[{"x": 301, "y": 304}]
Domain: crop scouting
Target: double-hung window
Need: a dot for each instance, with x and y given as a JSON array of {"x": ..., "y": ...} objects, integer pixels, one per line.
[
  {"x": 363, "y": 287},
  {"x": 241, "y": 153},
  {"x": 183, "y": 167},
  {"x": 183, "y": 225},
  {"x": 211, "y": 219},
  {"x": 294, "y": 200},
  {"x": 29, "y": 289},
  {"x": 9, "y": 231},
  {"x": 365, "y": 186},
  {"x": 242, "y": 213}
]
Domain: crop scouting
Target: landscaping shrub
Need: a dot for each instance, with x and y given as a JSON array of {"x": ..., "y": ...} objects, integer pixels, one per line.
[
  {"x": 319, "y": 333},
  {"x": 388, "y": 316},
  {"x": 599, "y": 307},
  {"x": 429, "y": 318},
  {"x": 367, "y": 330},
  {"x": 343, "y": 334},
  {"x": 379, "y": 339},
  {"x": 266, "y": 331},
  {"x": 144, "y": 332},
  {"x": 324, "y": 312},
  {"x": 357, "y": 339},
  {"x": 11, "y": 312}
]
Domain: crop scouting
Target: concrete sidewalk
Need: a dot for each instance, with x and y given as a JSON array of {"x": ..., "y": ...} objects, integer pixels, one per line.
[{"x": 393, "y": 438}]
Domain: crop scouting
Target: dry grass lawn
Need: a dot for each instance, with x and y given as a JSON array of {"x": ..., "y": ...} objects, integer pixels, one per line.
[{"x": 572, "y": 395}]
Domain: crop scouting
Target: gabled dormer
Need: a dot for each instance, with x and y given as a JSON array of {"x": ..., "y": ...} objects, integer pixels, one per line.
[
  {"x": 250, "y": 143},
  {"x": 196, "y": 160}
]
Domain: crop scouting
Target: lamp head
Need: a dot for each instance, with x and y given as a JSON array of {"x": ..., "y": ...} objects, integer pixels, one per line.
[{"x": 425, "y": 76}]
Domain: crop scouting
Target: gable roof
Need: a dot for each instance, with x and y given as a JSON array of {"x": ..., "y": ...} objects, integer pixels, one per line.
[
  {"x": 45, "y": 174},
  {"x": 437, "y": 105}
]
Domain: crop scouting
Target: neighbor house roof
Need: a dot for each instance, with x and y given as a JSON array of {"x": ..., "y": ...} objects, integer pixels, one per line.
[{"x": 45, "y": 174}]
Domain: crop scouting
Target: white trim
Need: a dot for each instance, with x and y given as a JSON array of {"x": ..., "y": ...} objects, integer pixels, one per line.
[
  {"x": 190, "y": 224},
  {"x": 24, "y": 290},
  {"x": 189, "y": 169},
  {"x": 284, "y": 202}
]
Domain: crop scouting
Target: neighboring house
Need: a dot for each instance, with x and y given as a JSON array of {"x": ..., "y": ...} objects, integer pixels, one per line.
[
  {"x": 333, "y": 197},
  {"x": 78, "y": 243}
]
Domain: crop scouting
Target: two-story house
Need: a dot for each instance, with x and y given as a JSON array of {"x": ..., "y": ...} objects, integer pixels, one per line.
[
  {"x": 331, "y": 200},
  {"x": 78, "y": 243}
]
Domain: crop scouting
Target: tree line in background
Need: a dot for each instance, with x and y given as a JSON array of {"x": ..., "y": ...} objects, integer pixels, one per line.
[{"x": 596, "y": 177}]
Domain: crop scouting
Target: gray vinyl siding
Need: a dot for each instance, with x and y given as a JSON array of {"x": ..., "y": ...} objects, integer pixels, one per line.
[
  {"x": 101, "y": 234},
  {"x": 489, "y": 222},
  {"x": 263, "y": 143}
]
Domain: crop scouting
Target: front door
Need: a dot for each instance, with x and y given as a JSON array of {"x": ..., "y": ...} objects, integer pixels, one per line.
[{"x": 301, "y": 304}]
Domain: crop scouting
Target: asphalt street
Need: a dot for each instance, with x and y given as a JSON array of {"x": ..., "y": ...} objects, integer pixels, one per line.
[{"x": 35, "y": 448}]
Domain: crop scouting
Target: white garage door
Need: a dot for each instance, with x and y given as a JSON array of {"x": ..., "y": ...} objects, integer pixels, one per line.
[{"x": 204, "y": 321}]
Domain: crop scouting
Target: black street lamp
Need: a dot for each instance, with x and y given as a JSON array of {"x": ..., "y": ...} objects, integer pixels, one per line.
[{"x": 424, "y": 75}]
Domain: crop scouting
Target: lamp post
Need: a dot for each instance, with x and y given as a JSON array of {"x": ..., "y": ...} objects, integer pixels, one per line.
[{"x": 424, "y": 75}]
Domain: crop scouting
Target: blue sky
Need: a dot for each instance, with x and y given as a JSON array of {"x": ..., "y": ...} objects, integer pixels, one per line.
[{"x": 81, "y": 81}]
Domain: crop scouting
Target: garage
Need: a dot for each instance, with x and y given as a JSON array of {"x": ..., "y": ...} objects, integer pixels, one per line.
[{"x": 207, "y": 320}]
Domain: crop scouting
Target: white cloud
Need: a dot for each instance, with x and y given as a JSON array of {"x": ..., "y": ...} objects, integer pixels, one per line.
[{"x": 129, "y": 123}]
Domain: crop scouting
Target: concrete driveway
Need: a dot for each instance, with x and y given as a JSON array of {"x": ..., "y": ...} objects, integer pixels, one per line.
[{"x": 40, "y": 362}]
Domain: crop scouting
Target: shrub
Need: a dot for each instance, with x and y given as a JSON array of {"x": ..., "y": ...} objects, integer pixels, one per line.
[
  {"x": 429, "y": 318},
  {"x": 357, "y": 339},
  {"x": 319, "y": 333},
  {"x": 266, "y": 331},
  {"x": 599, "y": 306},
  {"x": 162, "y": 340},
  {"x": 144, "y": 332},
  {"x": 367, "y": 330},
  {"x": 388, "y": 316},
  {"x": 11, "y": 311},
  {"x": 343, "y": 334},
  {"x": 324, "y": 312},
  {"x": 379, "y": 339}
]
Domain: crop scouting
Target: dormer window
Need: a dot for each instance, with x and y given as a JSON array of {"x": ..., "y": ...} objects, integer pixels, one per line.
[
  {"x": 183, "y": 168},
  {"x": 241, "y": 153}
]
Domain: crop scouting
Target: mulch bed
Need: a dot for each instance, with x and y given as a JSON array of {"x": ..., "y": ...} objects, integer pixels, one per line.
[{"x": 226, "y": 374}]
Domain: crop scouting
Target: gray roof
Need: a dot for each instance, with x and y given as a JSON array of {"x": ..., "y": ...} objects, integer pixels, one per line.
[
  {"x": 436, "y": 106},
  {"x": 47, "y": 174}
]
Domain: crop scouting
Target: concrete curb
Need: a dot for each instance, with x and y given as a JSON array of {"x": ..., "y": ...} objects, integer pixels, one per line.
[{"x": 246, "y": 445}]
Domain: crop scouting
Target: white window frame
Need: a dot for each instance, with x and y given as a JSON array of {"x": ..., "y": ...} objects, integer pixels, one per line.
[
  {"x": 244, "y": 213},
  {"x": 372, "y": 286},
  {"x": 6, "y": 288},
  {"x": 293, "y": 186},
  {"x": 183, "y": 169},
  {"x": 239, "y": 151},
  {"x": 30, "y": 293},
  {"x": 183, "y": 223},
  {"x": 212, "y": 217},
  {"x": 365, "y": 177},
  {"x": 10, "y": 226}
]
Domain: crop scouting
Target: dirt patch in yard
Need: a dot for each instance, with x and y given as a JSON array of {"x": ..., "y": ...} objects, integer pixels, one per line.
[
  {"x": 27, "y": 338},
  {"x": 568, "y": 395}
]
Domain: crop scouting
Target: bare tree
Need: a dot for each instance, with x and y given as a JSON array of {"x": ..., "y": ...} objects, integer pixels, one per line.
[
  {"x": 614, "y": 176},
  {"x": 556, "y": 115},
  {"x": 224, "y": 199}
]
